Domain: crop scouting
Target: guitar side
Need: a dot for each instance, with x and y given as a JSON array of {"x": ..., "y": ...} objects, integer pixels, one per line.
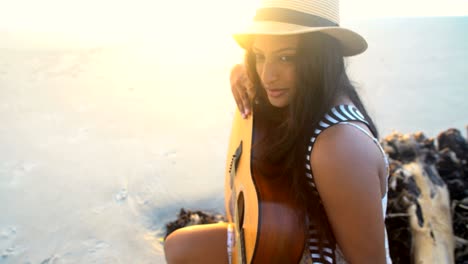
[{"x": 240, "y": 185}]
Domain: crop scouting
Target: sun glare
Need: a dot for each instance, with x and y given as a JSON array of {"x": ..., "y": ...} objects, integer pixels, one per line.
[
  {"x": 199, "y": 29},
  {"x": 187, "y": 28},
  {"x": 181, "y": 31}
]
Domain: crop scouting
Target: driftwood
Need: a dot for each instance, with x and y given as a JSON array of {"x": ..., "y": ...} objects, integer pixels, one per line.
[
  {"x": 418, "y": 194},
  {"x": 427, "y": 213},
  {"x": 427, "y": 207}
]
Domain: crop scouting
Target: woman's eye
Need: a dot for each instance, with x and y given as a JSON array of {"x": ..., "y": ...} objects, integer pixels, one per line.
[{"x": 287, "y": 58}]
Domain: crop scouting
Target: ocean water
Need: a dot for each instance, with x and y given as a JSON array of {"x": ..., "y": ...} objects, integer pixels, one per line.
[
  {"x": 414, "y": 75},
  {"x": 101, "y": 145}
]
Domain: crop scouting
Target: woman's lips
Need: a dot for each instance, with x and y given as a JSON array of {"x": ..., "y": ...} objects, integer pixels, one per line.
[{"x": 276, "y": 92}]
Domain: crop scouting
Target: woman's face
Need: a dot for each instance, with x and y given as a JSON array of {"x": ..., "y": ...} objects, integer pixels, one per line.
[{"x": 275, "y": 63}]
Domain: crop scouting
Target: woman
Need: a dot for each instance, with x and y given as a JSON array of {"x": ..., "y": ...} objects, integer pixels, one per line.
[{"x": 319, "y": 133}]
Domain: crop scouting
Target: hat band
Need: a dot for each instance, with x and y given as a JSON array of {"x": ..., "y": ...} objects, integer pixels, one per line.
[{"x": 292, "y": 17}]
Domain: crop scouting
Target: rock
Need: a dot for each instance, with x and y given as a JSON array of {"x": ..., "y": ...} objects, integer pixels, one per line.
[{"x": 188, "y": 218}]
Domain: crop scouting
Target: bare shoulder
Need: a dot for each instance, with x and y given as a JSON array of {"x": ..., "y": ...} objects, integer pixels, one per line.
[
  {"x": 345, "y": 155},
  {"x": 347, "y": 144}
]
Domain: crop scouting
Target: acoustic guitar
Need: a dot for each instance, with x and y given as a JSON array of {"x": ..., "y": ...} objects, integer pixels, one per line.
[{"x": 269, "y": 225}]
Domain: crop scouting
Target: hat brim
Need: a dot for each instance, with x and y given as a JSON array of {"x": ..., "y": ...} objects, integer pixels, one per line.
[{"x": 351, "y": 42}]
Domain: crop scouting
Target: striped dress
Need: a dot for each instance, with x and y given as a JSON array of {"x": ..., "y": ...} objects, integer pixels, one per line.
[{"x": 338, "y": 115}]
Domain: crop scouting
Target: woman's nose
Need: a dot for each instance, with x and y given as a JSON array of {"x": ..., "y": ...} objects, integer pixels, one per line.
[{"x": 269, "y": 73}]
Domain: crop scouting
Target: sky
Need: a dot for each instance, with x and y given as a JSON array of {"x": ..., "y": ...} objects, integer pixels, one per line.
[
  {"x": 356, "y": 9},
  {"x": 93, "y": 15},
  {"x": 175, "y": 21}
]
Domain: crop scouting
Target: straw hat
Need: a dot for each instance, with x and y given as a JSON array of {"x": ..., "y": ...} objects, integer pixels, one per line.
[{"x": 287, "y": 17}]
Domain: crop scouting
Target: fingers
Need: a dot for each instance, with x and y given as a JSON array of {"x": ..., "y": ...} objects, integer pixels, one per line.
[
  {"x": 240, "y": 85},
  {"x": 244, "y": 96},
  {"x": 238, "y": 98}
]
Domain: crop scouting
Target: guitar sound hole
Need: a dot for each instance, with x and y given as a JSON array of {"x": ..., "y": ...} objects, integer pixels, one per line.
[{"x": 240, "y": 210}]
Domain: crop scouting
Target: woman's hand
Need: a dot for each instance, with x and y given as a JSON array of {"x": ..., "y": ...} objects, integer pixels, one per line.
[{"x": 242, "y": 89}]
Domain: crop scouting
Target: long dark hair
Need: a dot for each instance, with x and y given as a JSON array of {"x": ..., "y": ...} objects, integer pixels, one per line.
[{"x": 320, "y": 80}]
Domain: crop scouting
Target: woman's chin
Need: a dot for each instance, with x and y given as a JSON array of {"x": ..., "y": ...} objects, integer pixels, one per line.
[{"x": 279, "y": 103}]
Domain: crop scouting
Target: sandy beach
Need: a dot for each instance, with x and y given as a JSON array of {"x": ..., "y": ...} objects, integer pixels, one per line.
[{"x": 96, "y": 156}]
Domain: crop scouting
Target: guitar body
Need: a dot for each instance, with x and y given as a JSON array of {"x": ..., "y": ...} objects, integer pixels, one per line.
[{"x": 269, "y": 225}]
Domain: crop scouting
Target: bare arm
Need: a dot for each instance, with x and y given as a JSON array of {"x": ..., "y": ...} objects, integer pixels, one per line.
[
  {"x": 346, "y": 167},
  {"x": 241, "y": 88}
]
